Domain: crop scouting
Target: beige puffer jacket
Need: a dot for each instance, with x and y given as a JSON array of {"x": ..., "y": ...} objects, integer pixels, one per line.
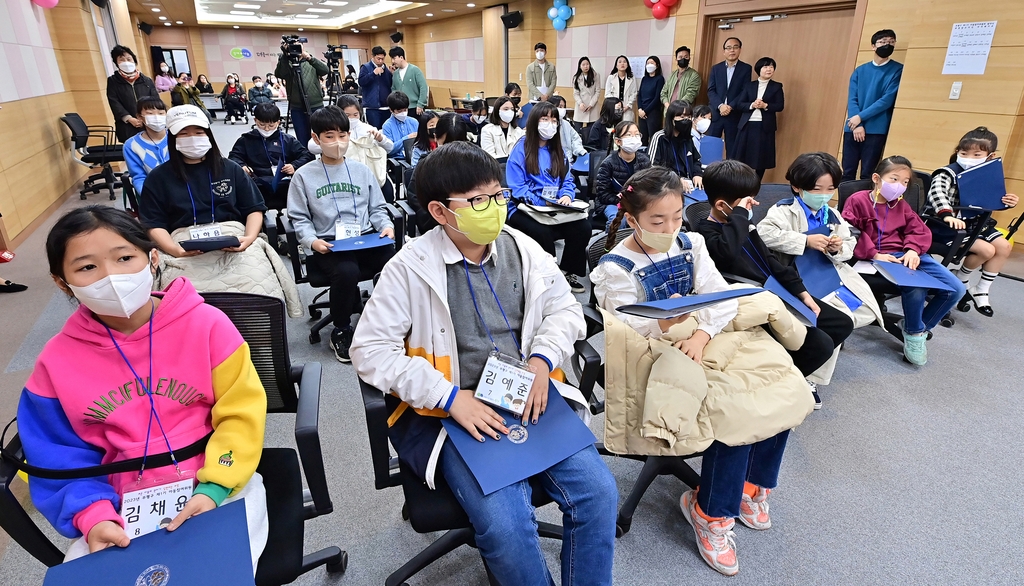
[{"x": 659, "y": 402}]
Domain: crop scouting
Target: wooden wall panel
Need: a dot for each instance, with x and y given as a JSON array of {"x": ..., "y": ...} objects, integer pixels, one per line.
[
  {"x": 11, "y": 222},
  {"x": 82, "y": 70},
  {"x": 935, "y": 22},
  {"x": 69, "y": 17},
  {"x": 997, "y": 92},
  {"x": 494, "y": 51}
]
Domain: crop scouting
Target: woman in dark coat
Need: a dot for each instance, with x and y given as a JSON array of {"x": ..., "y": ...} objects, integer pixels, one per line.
[
  {"x": 124, "y": 89},
  {"x": 760, "y": 101}
]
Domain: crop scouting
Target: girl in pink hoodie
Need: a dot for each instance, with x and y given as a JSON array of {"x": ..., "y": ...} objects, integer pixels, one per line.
[{"x": 138, "y": 373}]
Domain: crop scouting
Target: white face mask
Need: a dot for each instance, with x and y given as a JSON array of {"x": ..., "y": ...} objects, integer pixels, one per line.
[
  {"x": 506, "y": 115},
  {"x": 540, "y": 55},
  {"x": 547, "y": 129},
  {"x": 631, "y": 144},
  {"x": 313, "y": 147},
  {"x": 156, "y": 122},
  {"x": 193, "y": 147},
  {"x": 127, "y": 67},
  {"x": 479, "y": 119},
  {"x": 164, "y": 68},
  {"x": 334, "y": 150},
  {"x": 967, "y": 163},
  {"x": 651, "y": 68},
  {"x": 401, "y": 116},
  {"x": 117, "y": 295},
  {"x": 259, "y": 84},
  {"x": 702, "y": 125},
  {"x": 353, "y": 125},
  {"x": 561, "y": 112},
  {"x": 266, "y": 133}
]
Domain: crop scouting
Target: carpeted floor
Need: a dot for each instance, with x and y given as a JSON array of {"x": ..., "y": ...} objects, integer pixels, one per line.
[{"x": 907, "y": 475}]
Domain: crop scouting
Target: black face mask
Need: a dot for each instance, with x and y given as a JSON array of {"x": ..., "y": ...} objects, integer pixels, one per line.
[
  {"x": 683, "y": 63},
  {"x": 617, "y": 116},
  {"x": 683, "y": 127},
  {"x": 432, "y": 132},
  {"x": 515, "y": 100},
  {"x": 884, "y": 51}
]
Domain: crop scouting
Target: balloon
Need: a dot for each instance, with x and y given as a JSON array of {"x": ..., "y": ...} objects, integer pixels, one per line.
[
  {"x": 45, "y": 3},
  {"x": 552, "y": 13},
  {"x": 559, "y": 24},
  {"x": 660, "y": 11},
  {"x": 650, "y": 3},
  {"x": 564, "y": 12},
  {"x": 669, "y": 2},
  {"x": 560, "y": 3}
]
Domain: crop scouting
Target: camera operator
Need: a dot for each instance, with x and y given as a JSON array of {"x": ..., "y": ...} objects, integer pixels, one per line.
[{"x": 310, "y": 69}]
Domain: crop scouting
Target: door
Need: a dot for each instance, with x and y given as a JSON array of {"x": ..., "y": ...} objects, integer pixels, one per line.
[{"x": 810, "y": 49}]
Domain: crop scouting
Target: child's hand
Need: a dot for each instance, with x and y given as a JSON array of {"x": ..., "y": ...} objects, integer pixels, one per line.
[
  {"x": 1010, "y": 200},
  {"x": 698, "y": 182},
  {"x": 817, "y": 242},
  {"x": 105, "y": 534},
  {"x": 886, "y": 257},
  {"x": 197, "y": 505},
  {"x": 956, "y": 223},
  {"x": 388, "y": 233},
  {"x": 809, "y": 302},
  {"x": 475, "y": 416},
  {"x": 665, "y": 324},
  {"x": 748, "y": 202},
  {"x": 911, "y": 260},
  {"x": 694, "y": 345},
  {"x": 537, "y": 402},
  {"x": 321, "y": 246},
  {"x": 835, "y": 244}
]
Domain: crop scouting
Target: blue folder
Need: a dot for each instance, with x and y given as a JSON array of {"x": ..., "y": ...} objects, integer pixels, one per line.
[
  {"x": 803, "y": 313},
  {"x": 983, "y": 187},
  {"x": 696, "y": 195},
  {"x": 360, "y": 243},
  {"x": 905, "y": 277},
  {"x": 712, "y": 149},
  {"x": 558, "y": 434},
  {"x": 671, "y": 308},
  {"x": 816, "y": 269},
  {"x": 212, "y": 548}
]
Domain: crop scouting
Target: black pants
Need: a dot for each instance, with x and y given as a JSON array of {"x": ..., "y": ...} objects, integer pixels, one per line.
[
  {"x": 653, "y": 123},
  {"x": 833, "y": 327},
  {"x": 576, "y": 235},
  {"x": 727, "y": 128},
  {"x": 866, "y": 154},
  {"x": 345, "y": 270},
  {"x": 376, "y": 117},
  {"x": 276, "y": 199}
]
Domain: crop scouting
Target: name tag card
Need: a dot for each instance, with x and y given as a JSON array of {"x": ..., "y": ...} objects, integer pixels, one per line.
[
  {"x": 343, "y": 230},
  {"x": 204, "y": 231},
  {"x": 148, "y": 509},
  {"x": 549, "y": 193},
  {"x": 505, "y": 383}
]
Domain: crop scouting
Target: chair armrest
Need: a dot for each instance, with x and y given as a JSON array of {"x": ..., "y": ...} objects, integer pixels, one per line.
[
  {"x": 293, "y": 248},
  {"x": 307, "y": 436},
  {"x": 16, "y": 521},
  {"x": 595, "y": 321},
  {"x": 587, "y": 366},
  {"x": 377, "y": 429},
  {"x": 398, "y": 219}
]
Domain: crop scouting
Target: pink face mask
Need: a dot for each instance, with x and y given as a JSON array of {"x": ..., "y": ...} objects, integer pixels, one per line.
[{"x": 892, "y": 191}]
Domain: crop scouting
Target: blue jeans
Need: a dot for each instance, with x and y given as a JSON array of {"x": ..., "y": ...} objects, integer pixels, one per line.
[
  {"x": 506, "y": 529},
  {"x": 724, "y": 469},
  {"x": 609, "y": 216},
  {"x": 919, "y": 317},
  {"x": 300, "y": 122}
]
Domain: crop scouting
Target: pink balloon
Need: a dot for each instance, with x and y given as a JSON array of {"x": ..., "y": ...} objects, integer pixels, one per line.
[
  {"x": 650, "y": 3},
  {"x": 669, "y": 2},
  {"x": 660, "y": 11},
  {"x": 45, "y": 3}
]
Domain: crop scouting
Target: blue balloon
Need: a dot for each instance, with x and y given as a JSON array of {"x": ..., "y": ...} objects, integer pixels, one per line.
[
  {"x": 560, "y": 3},
  {"x": 553, "y": 12},
  {"x": 564, "y": 12},
  {"x": 559, "y": 24}
]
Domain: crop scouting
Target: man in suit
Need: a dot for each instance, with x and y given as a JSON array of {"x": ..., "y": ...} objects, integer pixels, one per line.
[
  {"x": 725, "y": 84},
  {"x": 375, "y": 87},
  {"x": 872, "y": 97},
  {"x": 409, "y": 80}
]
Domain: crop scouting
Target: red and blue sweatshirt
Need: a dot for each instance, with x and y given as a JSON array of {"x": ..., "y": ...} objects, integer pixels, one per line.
[{"x": 82, "y": 406}]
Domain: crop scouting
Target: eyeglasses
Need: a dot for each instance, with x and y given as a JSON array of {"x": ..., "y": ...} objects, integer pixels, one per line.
[
  {"x": 481, "y": 202},
  {"x": 733, "y": 48}
]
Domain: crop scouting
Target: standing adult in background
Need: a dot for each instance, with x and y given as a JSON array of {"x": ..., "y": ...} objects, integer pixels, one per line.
[
  {"x": 310, "y": 70},
  {"x": 586, "y": 92},
  {"x": 758, "y": 104},
  {"x": 873, "y": 88},
  {"x": 622, "y": 85},
  {"x": 164, "y": 81},
  {"x": 375, "y": 87},
  {"x": 124, "y": 90},
  {"x": 541, "y": 77},
  {"x": 683, "y": 83},
  {"x": 725, "y": 84},
  {"x": 408, "y": 79},
  {"x": 649, "y": 103}
]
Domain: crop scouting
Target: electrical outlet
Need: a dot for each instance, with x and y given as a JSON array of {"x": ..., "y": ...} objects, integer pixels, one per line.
[{"x": 954, "y": 92}]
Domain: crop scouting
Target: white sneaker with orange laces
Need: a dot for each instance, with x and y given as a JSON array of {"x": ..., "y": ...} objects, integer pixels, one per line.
[
  {"x": 754, "y": 510},
  {"x": 716, "y": 541}
]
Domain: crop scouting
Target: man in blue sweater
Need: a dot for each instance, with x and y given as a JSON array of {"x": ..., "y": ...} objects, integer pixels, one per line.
[
  {"x": 873, "y": 88},
  {"x": 375, "y": 85}
]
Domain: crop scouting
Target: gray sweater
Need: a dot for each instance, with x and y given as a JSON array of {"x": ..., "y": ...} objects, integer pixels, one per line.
[{"x": 320, "y": 193}]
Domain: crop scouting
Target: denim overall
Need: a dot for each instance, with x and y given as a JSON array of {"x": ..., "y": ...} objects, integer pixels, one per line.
[{"x": 665, "y": 277}]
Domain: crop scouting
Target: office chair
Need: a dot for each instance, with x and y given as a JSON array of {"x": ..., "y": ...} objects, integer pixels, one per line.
[
  {"x": 100, "y": 156},
  {"x": 290, "y": 388},
  {"x": 130, "y": 197},
  {"x": 769, "y": 195},
  {"x": 694, "y": 213}
]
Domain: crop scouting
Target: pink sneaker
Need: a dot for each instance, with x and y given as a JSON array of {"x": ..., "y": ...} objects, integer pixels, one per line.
[
  {"x": 754, "y": 510},
  {"x": 715, "y": 540}
]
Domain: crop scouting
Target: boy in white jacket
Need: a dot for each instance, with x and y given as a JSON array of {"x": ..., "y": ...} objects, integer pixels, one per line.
[{"x": 424, "y": 341}]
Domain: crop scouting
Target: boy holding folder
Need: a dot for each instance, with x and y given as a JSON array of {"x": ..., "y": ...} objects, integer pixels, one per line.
[{"x": 335, "y": 200}]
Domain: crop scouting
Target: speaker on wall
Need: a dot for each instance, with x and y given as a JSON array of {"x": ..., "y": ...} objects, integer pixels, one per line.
[
  {"x": 512, "y": 19},
  {"x": 397, "y": 37},
  {"x": 145, "y": 28}
]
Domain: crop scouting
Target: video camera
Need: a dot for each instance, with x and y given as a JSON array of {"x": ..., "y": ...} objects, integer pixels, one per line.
[
  {"x": 292, "y": 46},
  {"x": 333, "y": 54}
]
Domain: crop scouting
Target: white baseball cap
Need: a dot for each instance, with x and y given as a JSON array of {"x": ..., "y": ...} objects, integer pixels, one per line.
[{"x": 179, "y": 117}]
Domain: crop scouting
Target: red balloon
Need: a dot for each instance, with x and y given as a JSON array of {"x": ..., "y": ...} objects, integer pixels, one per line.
[
  {"x": 45, "y": 3},
  {"x": 669, "y": 2},
  {"x": 650, "y": 3},
  {"x": 660, "y": 11}
]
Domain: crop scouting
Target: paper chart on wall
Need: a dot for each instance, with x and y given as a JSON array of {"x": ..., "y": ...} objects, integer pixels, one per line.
[{"x": 969, "y": 46}]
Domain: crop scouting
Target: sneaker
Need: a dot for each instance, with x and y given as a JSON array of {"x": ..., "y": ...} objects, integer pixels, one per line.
[
  {"x": 715, "y": 539},
  {"x": 574, "y": 283},
  {"x": 754, "y": 510},
  {"x": 814, "y": 393},
  {"x": 11, "y": 287},
  {"x": 341, "y": 341}
]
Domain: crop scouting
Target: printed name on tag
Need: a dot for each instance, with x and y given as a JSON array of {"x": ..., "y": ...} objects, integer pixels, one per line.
[
  {"x": 505, "y": 383},
  {"x": 343, "y": 230},
  {"x": 148, "y": 509},
  {"x": 549, "y": 192},
  {"x": 204, "y": 231}
]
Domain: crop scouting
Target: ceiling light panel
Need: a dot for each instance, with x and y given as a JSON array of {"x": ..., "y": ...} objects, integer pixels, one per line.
[
  {"x": 320, "y": 10},
  {"x": 250, "y": 6}
]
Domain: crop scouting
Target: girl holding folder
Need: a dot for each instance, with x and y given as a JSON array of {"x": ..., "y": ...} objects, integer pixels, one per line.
[{"x": 891, "y": 231}]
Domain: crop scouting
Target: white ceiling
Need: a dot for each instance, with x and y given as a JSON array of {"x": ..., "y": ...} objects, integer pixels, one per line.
[{"x": 311, "y": 13}]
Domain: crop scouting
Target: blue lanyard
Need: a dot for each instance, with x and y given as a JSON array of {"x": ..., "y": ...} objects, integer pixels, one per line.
[
  {"x": 330, "y": 182},
  {"x": 149, "y": 393},
  {"x": 670, "y": 282},
  {"x": 280, "y": 162},
  {"x": 213, "y": 203},
  {"x": 881, "y": 230},
  {"x": 465, "y": 265}
]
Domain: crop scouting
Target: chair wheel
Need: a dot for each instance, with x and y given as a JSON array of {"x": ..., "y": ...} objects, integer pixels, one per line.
[
  {"x": 340, "y": 566},
  {"x": 622, "y": 528},
  {"x": 112, "y": 197},
  {"x": 316, "y": 314},
  {"x": 948, "y": 321},
  {"x": 314, "y": 338}
]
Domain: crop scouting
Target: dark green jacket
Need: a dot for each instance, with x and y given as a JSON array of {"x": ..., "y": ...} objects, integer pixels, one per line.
[{"x": 310, "y": 72}]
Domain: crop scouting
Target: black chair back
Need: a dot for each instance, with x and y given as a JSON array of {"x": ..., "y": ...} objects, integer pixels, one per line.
[
  {"x": 131, "y": 198},
  {"x": 599, "y": 246},
  {"x": 926, "y": 180},
  {"x": 596, "y": 158},
  {"x": 79, "y": 129},
  {"x": 769, "y": 195},
  {"x": 502, "y": 180},
  {"x": 848, "y": 188},
  {"x": 407, "y": 145},
  {"x": 695, "y": 212}
]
